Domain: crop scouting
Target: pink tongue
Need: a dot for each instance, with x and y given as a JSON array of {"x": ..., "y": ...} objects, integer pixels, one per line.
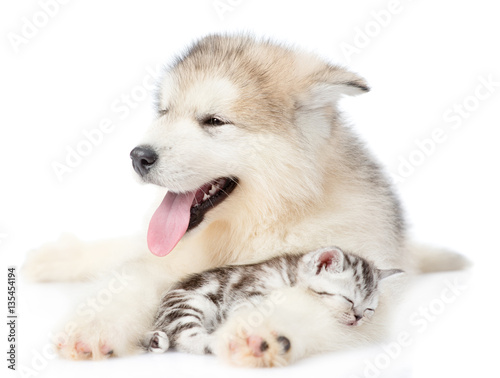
[{"x": 169, "y": 222}]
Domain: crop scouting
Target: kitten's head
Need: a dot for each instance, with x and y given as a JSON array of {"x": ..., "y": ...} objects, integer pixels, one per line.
[{"x": 345, "y": 282}]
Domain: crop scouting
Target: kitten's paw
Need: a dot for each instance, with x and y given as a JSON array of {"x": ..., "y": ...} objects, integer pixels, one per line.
[
  {"x": 157, "y": 342},
  {"x": 258, "y": 349},
  {"x": 55, "y": 261}
]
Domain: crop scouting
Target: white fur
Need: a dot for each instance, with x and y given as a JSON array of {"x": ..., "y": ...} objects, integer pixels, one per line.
[
  {"x": 304, "y": 183},
  {"x": 301, "y": 317}
]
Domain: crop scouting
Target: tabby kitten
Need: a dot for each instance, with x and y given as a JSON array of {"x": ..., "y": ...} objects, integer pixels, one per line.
[{"x": 195, "y": 307}]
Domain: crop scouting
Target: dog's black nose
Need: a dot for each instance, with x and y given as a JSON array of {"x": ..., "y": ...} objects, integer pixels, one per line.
[{"x": 143, "y": 158}]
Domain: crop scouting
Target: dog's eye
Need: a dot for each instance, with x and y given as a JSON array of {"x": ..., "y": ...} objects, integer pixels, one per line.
[{"x": 213, "y": 121}]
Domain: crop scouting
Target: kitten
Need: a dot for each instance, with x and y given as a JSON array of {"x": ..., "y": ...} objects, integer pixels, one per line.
[{"x": 195, "y": 307}]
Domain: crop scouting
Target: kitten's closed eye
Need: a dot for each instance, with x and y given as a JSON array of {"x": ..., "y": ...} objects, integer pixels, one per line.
[
  {"x": 339, "y": 301},
  {"x": 322, "y": 292},
  {"x": 343, "y": 303}
]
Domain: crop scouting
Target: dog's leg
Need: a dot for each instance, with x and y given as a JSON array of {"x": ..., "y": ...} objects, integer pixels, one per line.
[
  {"x": 114, "y": 320},
  {"x": 69, "y": 259},
  {"x": 279, "y": 331}
]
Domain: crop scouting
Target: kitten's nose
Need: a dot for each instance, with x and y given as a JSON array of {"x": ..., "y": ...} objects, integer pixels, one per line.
[{"x": 358, "y": 317}]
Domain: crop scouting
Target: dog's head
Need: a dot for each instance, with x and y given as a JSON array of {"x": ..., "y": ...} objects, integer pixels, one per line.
[{"x": 241, "y": 128}]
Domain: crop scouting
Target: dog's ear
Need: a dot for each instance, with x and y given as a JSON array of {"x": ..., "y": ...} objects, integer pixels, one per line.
[
  {"x": 327, "y": 85},
  {"x": 340, "y": 80}
]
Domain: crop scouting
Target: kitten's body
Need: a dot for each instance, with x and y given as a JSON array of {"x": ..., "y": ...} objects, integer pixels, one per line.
[{"x": 346, "y": 285}]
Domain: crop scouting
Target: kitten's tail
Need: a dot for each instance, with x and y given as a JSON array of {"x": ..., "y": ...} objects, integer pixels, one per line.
[{"x": 428, "y": 259}]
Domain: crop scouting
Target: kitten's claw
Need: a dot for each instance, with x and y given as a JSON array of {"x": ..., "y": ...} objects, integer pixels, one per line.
[{"x": 158, "y": 342}]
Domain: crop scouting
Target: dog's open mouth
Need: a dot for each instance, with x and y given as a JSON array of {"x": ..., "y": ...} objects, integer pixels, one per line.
[
  {"x": 181, "y": 212},
  {"x": 209, "y": 196}
]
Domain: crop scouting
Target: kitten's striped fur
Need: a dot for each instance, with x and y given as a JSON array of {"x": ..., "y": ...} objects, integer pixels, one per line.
[{"x": 194, "y": 308}]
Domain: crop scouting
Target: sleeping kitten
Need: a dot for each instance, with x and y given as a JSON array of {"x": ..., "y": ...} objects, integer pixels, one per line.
[{"x": 195, "y": 307}]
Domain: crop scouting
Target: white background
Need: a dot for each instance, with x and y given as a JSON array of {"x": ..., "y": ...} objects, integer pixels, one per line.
[{"x": 423, "y": 60}]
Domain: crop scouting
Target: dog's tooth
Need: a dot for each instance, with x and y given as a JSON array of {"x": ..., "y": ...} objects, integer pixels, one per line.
[
  {"x": 213, "y": 190},
  {"x": 205, "y": 196}
]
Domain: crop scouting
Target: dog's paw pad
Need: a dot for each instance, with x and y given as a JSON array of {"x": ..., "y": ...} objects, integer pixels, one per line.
[
  {"x": 106, "y": 350},
  {"x": 80, "y": 350},
  {"x": 285, "y": 343},
  {"x": 256, "y": 350},
  {"x": 257, "y": 345}
]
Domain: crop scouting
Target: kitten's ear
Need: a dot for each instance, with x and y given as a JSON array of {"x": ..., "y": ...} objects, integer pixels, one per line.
[
  {"x": 330, "y": 259},
  {"x": 328, "y": 84},
  {"x": 384, "y": 273}
]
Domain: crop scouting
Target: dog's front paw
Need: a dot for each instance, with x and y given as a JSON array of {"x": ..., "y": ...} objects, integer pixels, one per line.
[
  {"x": 81, "y": 350},
  {"x": 256, "y": 349},
  {"x": 95, "y": 339}
]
